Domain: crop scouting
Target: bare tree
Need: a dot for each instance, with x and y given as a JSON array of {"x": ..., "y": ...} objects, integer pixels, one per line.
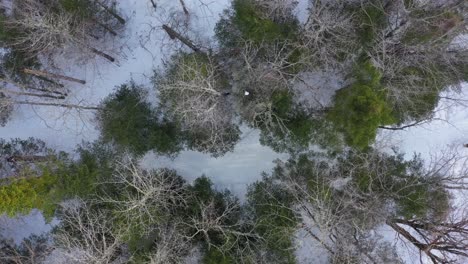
[
  {"x": 418, "y": 50},
  {"x": 154, "y": 4},
  {"x": 195, "y": 91},
  {"x": 184, "y": 7},
  {"x": 263, "y": 78},
  {"x": 6, "y": 108},
  {"x": 333, "y": 213},
  {"x": 111, "y": 11},
  {"x": 329, "y": 34},
  {"x": 87, "y": 235},
  {"x": 45, "y": 31},
  {"x": 441, "y": 241},
  {"x": 7, "y": 103},
  {"x": 440, "y": 235},
  {"x": 146, "y": 197},
  {"x": 32, "y": 250},
  {"x": 171, "y": 246},
  {"x": 173, "y": 34},
  {"x": 215, "y": 225},
  {"x": 341, "y": 201}
]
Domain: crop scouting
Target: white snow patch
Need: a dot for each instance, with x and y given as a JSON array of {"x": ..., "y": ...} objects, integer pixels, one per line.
[
  {"x": 233, "y": 171},
  {"x": 460, "y": 42},
  {"x": 406, "y": 251},
  {"x": 450, "y": 127},
  {"x": 302, "y": 10},
  {"x": 24, "y": 226},
  {"x": 308, "y": 248}
]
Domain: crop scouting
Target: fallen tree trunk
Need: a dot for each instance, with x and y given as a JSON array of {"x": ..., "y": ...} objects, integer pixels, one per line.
[
  {"x": 111, "y": 12},
  {"x": 52, "y": 75},
  {"x": 102, "y": 54},
  {"x": 175, "y": 35},
  {"x": 57, "y": 105}
]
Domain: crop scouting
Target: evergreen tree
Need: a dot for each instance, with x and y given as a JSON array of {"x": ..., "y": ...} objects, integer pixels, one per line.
[
  {"x": 360, "y": 109},
  {"x": 129, "y": 121}
]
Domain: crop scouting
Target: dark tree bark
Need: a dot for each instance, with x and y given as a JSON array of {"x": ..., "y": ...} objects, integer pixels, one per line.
[
  {"x": 25, "y": 87},
  {"x": 154, "y": 4},
  {"x": 104, "y": 26},
  {"x": 440, "y": 241},
  {"x": 184, "y": 7},
  {"x": 57, "y": 105},
  {"x": 175, "y": 35},
  {"x": 50, "y": 81},
  {"x": 62, "y": 94},
  {"x": 102, "y": 54},
  {"x": 112, "y": 13},
  {"x": 420, "y": 122},
  {"x": 52, "y": 75},
  {"x": 32, "y": 94}
]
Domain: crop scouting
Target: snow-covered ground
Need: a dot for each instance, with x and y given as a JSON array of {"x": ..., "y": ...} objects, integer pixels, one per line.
[
  {"x": 20, "y": 228},
  {"x": 233, "y": 171},
  {"x": 138, "y": 52},
  {"x": 450, "y": 127},
  {"x": 141, "y": 48}
]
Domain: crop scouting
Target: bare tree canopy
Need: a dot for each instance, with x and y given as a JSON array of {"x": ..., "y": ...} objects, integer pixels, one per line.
[{"x": 196, "y": 92}]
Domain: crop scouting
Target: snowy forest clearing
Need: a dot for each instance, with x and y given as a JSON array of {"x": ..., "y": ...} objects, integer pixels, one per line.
[{"x": 143, "y": 47}]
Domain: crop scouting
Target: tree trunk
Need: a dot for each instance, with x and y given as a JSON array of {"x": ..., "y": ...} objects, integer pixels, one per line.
[
  {"x": 154, "y": 4},
  {"x": 102, "y": 54},
  {"x": 420, "y": 122},
  {"x": 32, "y": 94},
  {"x": 57, "y": 105},
  {"x": 421, "y": 246},
  {"x": 52, "y": 75},
  {"x": 48, "y": 91},
  {"x": 184, "y": 7},
  {"x": 112, "y": 13},
  {"x": 174, "y": 35},
  {"x": 50, "y": 81},
  {"x": 104, "y": 26},
  {"x": 110, "y": 30},
  {"x": 24, "y": 87}
]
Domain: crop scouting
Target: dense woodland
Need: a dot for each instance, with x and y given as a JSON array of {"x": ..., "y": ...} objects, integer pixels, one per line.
[{"x": 395, "y": 60}]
